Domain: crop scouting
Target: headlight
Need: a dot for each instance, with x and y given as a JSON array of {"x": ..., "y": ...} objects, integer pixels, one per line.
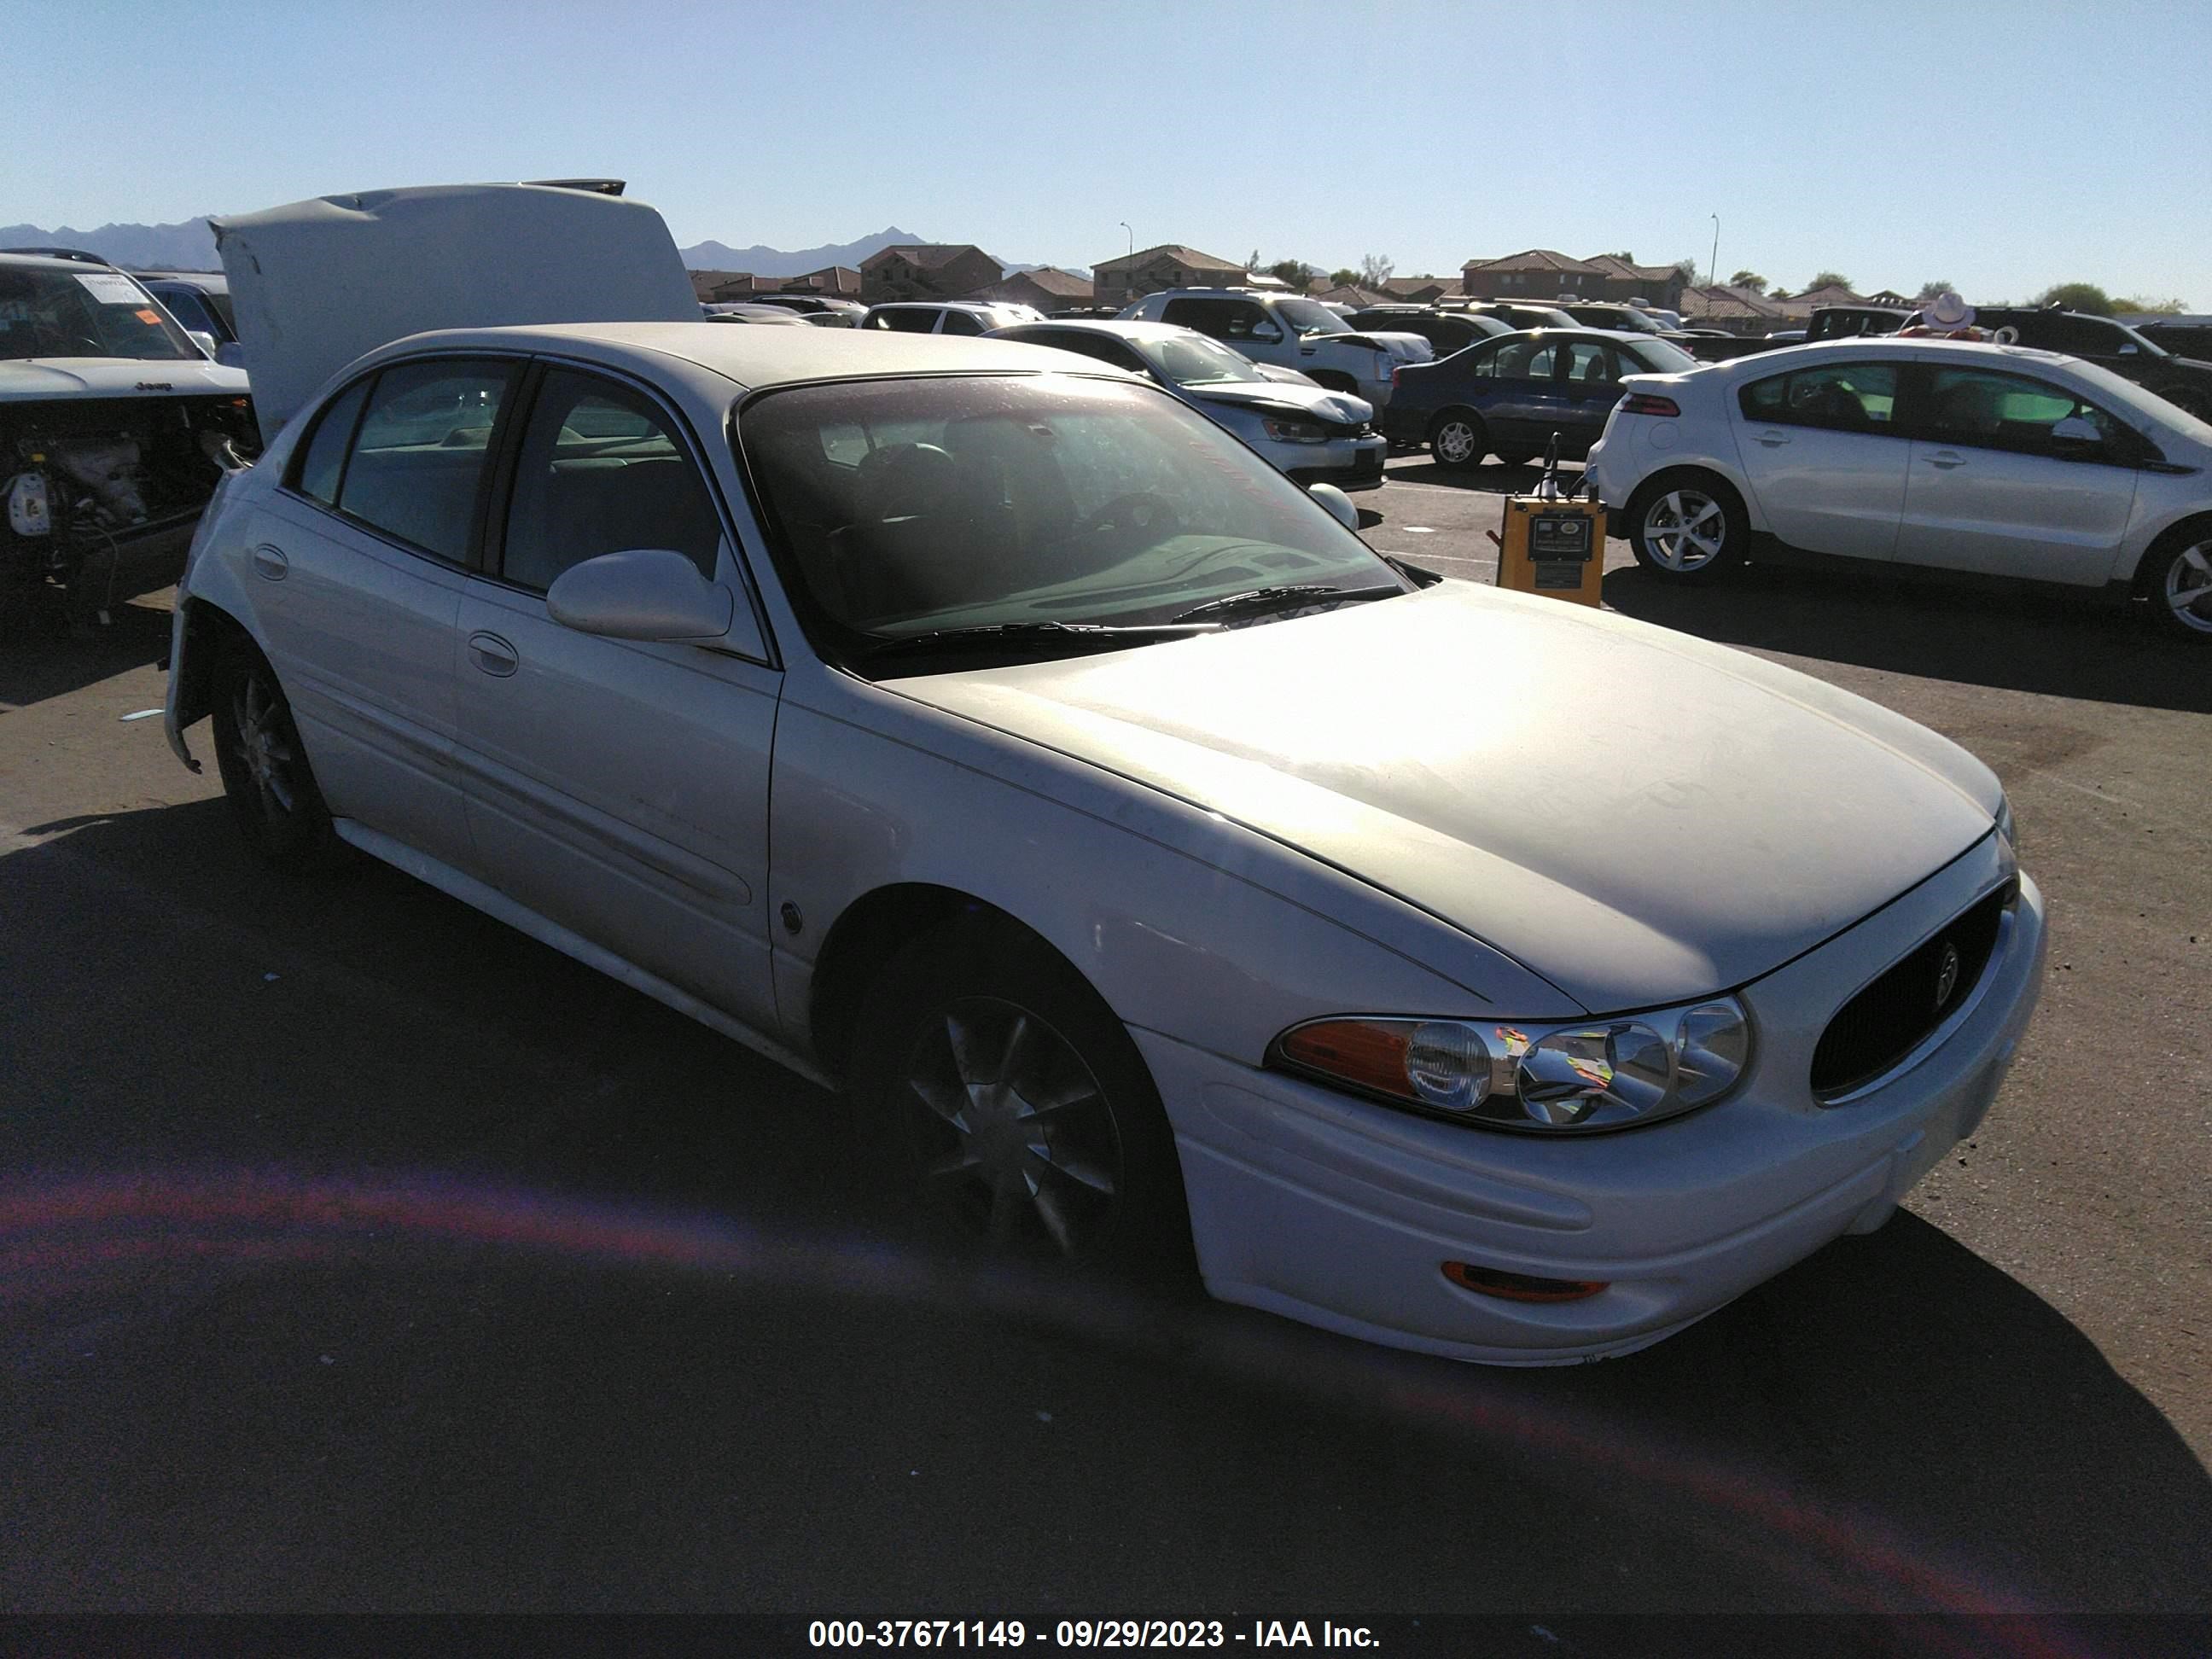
[
  {"x": 1286, "y": 431},
  {"x": 2006, "y": 827},
  {"x": 1557, "y": 1077}
]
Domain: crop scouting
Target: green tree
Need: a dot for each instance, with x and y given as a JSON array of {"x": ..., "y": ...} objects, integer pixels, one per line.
[
  {"x": 1374, "y": 269},
  {"x": 1252, "y": 262},
  {"x": 1623, "y": 255},
  {"x": 1344, "y": 278},
  {"x": 2076, "y": 296},
  {"x": 1935, "y": 291},
  {"x": 1295, "y": 272},
  {"x": 1828, "y": 279},
  {"x": 2143, "y": 305},
  {"x": 1750, "y": 280}
]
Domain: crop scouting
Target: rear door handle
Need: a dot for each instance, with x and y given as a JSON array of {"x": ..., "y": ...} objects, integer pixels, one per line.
[
  {"x": 493, "y": 655},
  {"x": 1946, "y": 459},
  {"x": 270, "y": 563},
  {"x": 1774, "y": 439}
]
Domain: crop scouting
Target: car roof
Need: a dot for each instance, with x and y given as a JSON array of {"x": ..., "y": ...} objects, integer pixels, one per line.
[
  {"x": 213, "y": 281},
  {"x": 49, "y": 262},
  {"x": 1119, "y": 330},
  {"x": 753, "y": 357}
]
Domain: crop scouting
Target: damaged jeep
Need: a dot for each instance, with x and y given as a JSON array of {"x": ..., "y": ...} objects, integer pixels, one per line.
[{"x": 115, "y": 429}]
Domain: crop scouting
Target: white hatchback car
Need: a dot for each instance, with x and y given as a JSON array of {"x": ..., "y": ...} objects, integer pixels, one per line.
[
  {"x": 1987, "y": 460},
  {"x": 968, "y": 316},
  {"x": 994, "y": 736}
]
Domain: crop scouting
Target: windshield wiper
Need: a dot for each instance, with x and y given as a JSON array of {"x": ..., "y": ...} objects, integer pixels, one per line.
[
  {"x": 1270, "y": 599},
  {"x": 1025, "y": 632}
]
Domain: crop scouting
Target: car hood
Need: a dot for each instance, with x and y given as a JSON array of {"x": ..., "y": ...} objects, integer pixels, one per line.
[
  {"x": 1406, "y": 348},
  {"x": 1636, "y": 815},
  {"x": 1338, "y": 406},
  {"x": 38, "y": 380},
  {"x": 318, "y": 284}
]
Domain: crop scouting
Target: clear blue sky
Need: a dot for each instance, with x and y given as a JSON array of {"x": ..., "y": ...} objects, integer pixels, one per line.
[{"x": 2003, "y": 147}]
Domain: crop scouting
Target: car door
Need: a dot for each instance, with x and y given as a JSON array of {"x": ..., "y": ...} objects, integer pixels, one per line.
[
  {"x": 1589, "y": 382},
  {"x": 1825, "y": 455},
  {"x": 1995, "y": 488},
  {"x": 619, "y": 787},
  {"x": 359, "y": 561},
  {"x": 1521, "y": 400}
]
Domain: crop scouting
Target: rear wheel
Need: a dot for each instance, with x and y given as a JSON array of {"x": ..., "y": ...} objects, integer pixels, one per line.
[
  {"x": 264, "y": 767},
  {"x": 1018, "y": 1105},
  {"x": 1686, "y": 527},
  {"x": 1458, "y": 438},
  {"x": 1334, "y": 380},
  {"x": 2178, "y": 581}
]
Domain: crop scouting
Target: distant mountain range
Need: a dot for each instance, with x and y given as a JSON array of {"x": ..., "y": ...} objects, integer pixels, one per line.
[{"x": 190, "y": 247}]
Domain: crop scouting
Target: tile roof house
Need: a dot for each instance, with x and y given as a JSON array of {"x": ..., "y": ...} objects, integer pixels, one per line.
[
  {"x": 720, "y": 287},
  {"x": 1419, "y": 290},
  {"x": 710, "y": 287},
  {"x": 1800, "y": 306},
  {"x": 1738, "y": 310},
  {"x": 1358, "y": 298},
  {"x": 1543, "y": 273},
  {"x": 927, "y": 271},
  {"x": 1132, "y": 275},
  {"x": 1047, "y": 288}
]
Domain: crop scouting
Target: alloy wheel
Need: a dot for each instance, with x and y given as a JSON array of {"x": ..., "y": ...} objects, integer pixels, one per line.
[
  {"x": 1685, "y": 530},
  {"x": 264, "y": 744},
  {"x": 1016, "y": 1137},
  {"x": 2188, "y": 587}
]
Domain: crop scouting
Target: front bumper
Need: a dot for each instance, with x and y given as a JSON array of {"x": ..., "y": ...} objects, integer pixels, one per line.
[
  {"x": 1340, "y": 1213},
  {"x": 1350, "y": 464}
]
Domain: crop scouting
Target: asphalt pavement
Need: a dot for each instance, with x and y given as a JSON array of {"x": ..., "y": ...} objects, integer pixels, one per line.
[{"x": 357, "y": 1253}]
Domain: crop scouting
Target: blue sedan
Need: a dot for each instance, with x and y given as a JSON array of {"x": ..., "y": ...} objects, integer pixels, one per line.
[{"x": 1507, "y": 396}]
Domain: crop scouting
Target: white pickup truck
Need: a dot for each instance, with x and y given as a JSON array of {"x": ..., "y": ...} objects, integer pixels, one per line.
[{"x": 1290, "y": 331}]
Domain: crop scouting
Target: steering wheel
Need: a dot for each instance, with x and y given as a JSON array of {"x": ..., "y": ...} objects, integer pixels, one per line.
[{"x": 1139, "y": 513}]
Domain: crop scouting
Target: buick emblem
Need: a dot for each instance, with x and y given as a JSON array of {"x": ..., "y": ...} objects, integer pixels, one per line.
[{"x": 1946, "y": 974}]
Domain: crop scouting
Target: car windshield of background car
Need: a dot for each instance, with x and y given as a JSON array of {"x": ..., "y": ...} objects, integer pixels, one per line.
[
  {"x": 907, "y": 507},
  {"x": 1198, "y": 361},
  {"x": 84, "y": 313},
  {"x": 1311, "y": 317},
  {"x": 1660, "y": 356}
]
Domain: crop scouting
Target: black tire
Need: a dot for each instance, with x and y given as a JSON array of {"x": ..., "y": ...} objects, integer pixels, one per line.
[
  {"x": 1335, "y": 379},
  {"x": 2176, "y": 578},
  {"x": 264, "y": 767},
  {"x": 1099, "y": 1150},
  {"x": 1458, "y": 438},
  {"x": 1515, "y": 457},
  {"x": 1672, "y": 518}
]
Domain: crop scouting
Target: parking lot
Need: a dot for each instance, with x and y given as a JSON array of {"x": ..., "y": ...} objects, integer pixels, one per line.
[{"x": 364, "y": 1254}]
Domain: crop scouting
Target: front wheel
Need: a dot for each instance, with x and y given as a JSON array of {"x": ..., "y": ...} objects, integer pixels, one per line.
[
  {"x": 1018, "y": 1104},
  {"x": 1459, "y": 439},
  {"x": 265, "y": 766},
  {"x": 2178, "y": 581},
  {"x": 1687, "y": 529}
]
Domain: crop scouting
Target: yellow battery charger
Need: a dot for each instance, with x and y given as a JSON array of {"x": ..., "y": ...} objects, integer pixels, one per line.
[{"x": 1553, "y": 546}]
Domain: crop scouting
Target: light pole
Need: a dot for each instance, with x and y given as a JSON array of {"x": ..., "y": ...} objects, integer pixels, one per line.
[
  {"x": 1713, "y": 268},
  {"x": 1132, "y": 236}
]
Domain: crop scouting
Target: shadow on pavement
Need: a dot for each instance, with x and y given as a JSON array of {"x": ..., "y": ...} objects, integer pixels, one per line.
[
  {"x": 1493, "y": 478},
  {"x": 2020, "y": 639},
  {"x": 554, "y": 1299},
  {"x": 37, "y": 662}
]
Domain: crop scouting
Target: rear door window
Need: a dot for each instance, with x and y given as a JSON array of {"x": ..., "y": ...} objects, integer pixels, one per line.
[
  {"x": 960, "y": 322},
  {"x": 2010, "y": 411},
  {"x": 1838, "y": 397},
  {"x": 419, "y": 461}
]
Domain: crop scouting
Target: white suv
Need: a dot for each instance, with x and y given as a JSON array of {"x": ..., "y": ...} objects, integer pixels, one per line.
[{"x": 1289, "y": 329}]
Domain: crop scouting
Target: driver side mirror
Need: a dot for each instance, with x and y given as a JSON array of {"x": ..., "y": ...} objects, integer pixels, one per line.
[
  {"x": 645, "y": 594},
  {"x": 1338, "y": 503},
  {"x": 206, "y": 342},
  {"x": 1266, "y": 334}
]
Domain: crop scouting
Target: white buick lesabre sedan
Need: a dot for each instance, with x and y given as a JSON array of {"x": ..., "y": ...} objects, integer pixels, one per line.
[{"x": 999, "y": 739}]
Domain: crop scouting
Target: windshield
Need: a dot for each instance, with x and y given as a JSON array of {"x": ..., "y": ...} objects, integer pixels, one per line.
[
  {"x": 83, "y": 314},
  {"x": 908, "y": 506},
  {"x": 1311, "y": 317},
  {"x": 1663, "y": 356},
  {"x": 1196, "y": 361}
]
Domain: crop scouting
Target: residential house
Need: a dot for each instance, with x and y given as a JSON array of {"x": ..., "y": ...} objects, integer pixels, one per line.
[
  {"x": 1358, "y": 298},
  {"x": 1738, "y": 310},
  {"x": 830, "y": 282},
  {"x": 927, "y": 271},
  {"x": 1132, "y": 275},
  {"x": 1800, "y": 308},
  {"x": 1047, "y": 288},
  {"x": 716, "y": 287},
  {"x": 1542, "y": 274},
  {"x": 1419, "y": 291}
]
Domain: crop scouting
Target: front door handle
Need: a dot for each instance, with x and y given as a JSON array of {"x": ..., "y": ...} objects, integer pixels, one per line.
[
  {"x": 493, "y": 655},
  {"x": 1774, "y": 439},
  {"x": 1947, "y": 459},
  {"x": 269, "y": 562}
]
